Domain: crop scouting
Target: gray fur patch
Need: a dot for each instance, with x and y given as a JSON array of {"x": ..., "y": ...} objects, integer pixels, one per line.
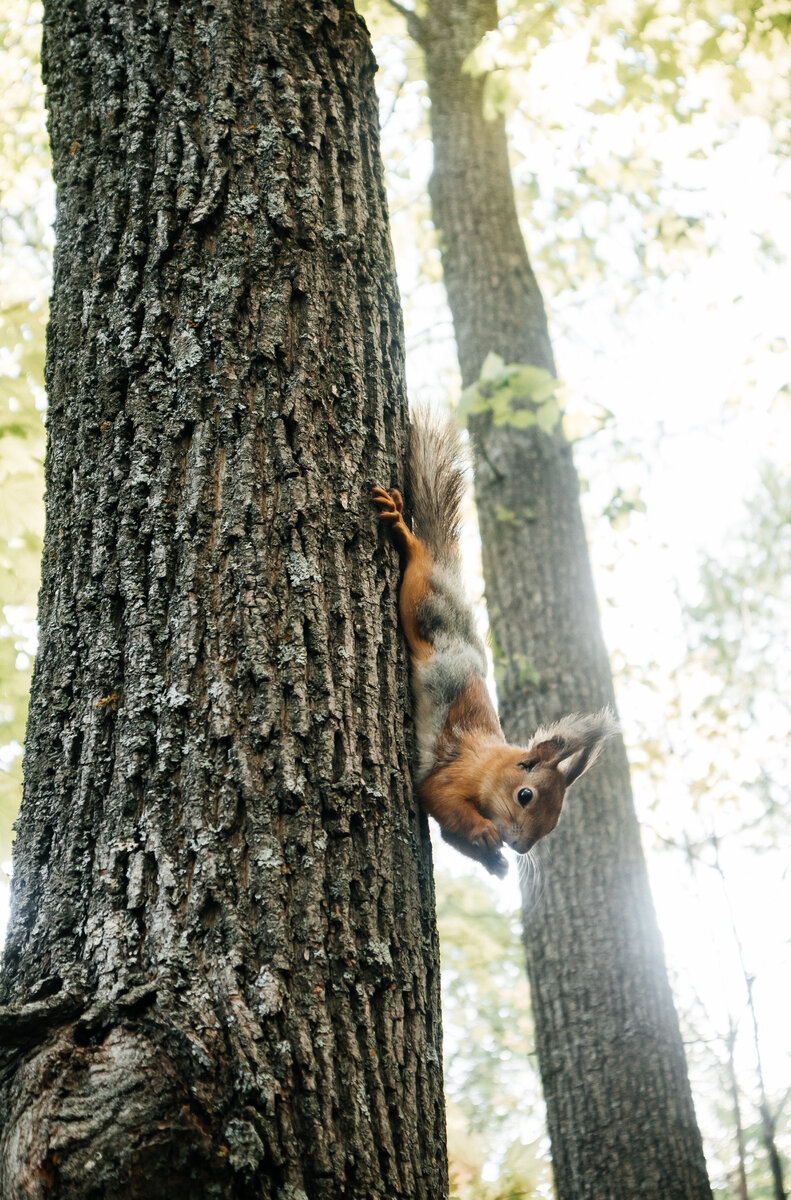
[
  {"x": 446, "y": 673},
  {"x": 446, "y": 610},
  {"x": 446, "y": 620}
]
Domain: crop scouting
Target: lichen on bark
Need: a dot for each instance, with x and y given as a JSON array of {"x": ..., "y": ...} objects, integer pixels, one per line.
[{"x": 221, "y": 975}]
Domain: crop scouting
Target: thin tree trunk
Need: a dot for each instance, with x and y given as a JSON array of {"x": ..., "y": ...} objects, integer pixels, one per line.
[
  {"x": 733, "y": 1080},
  {"x": 221, "y": 976},
  {"x": 620, "y": 1112},
  {"x": 768, "y": 1120}
]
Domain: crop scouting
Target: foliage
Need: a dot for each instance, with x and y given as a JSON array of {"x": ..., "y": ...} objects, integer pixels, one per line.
[
  {"x": 517, "y": 394},
  {"x": 761, "y": 1182},
  {"x": 494, "y": 1110},
  {"x": 738, "y": 665},
  {"x": 25, "y": 206},
  {"x": 708, "y": 1057},
  {"x": 615, "y": 110},
  {"x": 684, "y": 58},
  {"x": 727, "y": 721},
  {"x": 740, "y": 626}
]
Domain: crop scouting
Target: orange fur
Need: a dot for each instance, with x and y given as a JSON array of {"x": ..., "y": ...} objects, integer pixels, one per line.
[
  {"x": 473, "y": 787},
  {"x": 416, "y": 583}
]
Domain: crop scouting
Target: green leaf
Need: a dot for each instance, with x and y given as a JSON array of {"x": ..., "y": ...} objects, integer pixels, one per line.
[
  {"x": 548, "y": 415},
  {"x": 516, "y": 394},
  {"x": 492, "y": 367}
]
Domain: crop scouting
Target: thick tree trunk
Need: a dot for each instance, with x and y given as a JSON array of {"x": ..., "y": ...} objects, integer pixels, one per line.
[
  {"x": 619, "y": 1107},
  {"x": 221, "y": 975}
]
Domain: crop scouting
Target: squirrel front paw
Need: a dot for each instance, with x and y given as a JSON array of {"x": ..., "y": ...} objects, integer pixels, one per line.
[
  {"x": 489, "y": 839},
  {"x": 496, "y": 864},
  {"x": 486, "y": 835}
]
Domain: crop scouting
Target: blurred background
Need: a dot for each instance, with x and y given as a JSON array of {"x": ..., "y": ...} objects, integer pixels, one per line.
[{"x": 650, "y": 153}]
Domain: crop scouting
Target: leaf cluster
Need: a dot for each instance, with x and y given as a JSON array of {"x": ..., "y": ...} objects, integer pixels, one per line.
[
  {"x": 516, "y": 394},
  {"x": 740, "y": 656}
]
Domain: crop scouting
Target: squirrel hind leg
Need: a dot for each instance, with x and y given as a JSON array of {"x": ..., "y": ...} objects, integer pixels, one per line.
[
  {"x": 416, "y": 583},
  {"x": 415, "y": 587}
]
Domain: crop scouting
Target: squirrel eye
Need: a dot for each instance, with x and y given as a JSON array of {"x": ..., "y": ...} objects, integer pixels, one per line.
[{"x": 524, "y": 796}]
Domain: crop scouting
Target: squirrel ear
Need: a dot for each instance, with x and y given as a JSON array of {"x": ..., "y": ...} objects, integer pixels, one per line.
[
  {"x": 571, "y": 768},
  {"x": 529, "y": 762},
  {"x": 575, "y": 742},
  {"x": 549, "y": 751}
]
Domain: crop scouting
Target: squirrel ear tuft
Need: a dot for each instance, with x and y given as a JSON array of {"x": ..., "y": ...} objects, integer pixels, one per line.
[{"x": 573, "y": 743}]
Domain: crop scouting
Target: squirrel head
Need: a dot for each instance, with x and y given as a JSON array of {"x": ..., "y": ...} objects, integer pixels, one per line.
[{"x": 522, "y": 790}]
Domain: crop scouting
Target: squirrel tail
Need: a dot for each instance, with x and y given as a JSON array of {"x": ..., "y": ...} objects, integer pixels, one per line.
[{"x": 436, "y": 466}]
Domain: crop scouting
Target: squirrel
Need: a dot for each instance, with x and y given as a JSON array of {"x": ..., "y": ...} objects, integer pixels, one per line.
[{"x": 480, "y": 790}]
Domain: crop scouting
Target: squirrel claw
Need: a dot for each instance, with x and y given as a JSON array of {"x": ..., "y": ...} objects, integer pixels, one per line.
[
  {"x": 488, "y": 837},
  {"x": 390, "y": 505},
  {"x": 390, "y": 502},
  {"x": 388, "y": 509}
]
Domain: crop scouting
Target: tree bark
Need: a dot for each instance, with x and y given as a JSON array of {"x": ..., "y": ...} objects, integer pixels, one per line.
[
  {"x": 619, "y": 1107},
  {"x": 221, "y": 976}
]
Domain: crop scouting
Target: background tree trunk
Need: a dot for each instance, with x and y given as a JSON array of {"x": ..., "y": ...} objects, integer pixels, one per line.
[
  {"x": 619, "y": 1107},
  {"x": 221, "y": 976}
]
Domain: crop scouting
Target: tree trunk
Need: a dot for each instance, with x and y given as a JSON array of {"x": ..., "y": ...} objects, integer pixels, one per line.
[
  {"x": 221, "y": 976},
  {"x": 733, "y": 1082},
  {"x": 619, "y": 1107}
]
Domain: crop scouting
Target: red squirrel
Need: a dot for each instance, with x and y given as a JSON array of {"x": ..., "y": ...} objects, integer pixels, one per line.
[{"x": 481, "y": 791}]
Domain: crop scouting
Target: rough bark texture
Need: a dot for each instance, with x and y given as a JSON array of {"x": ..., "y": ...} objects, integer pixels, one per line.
[
  {"x": 619, "y": 1107},
  {"x": 221, "y": 975}
]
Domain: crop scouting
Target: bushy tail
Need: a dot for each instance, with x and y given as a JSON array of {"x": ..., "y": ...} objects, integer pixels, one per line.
[{"x": 436, "y": 481}]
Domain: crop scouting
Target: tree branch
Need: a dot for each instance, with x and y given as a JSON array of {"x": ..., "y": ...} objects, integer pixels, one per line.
[{"x": 414, "y": 23}]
